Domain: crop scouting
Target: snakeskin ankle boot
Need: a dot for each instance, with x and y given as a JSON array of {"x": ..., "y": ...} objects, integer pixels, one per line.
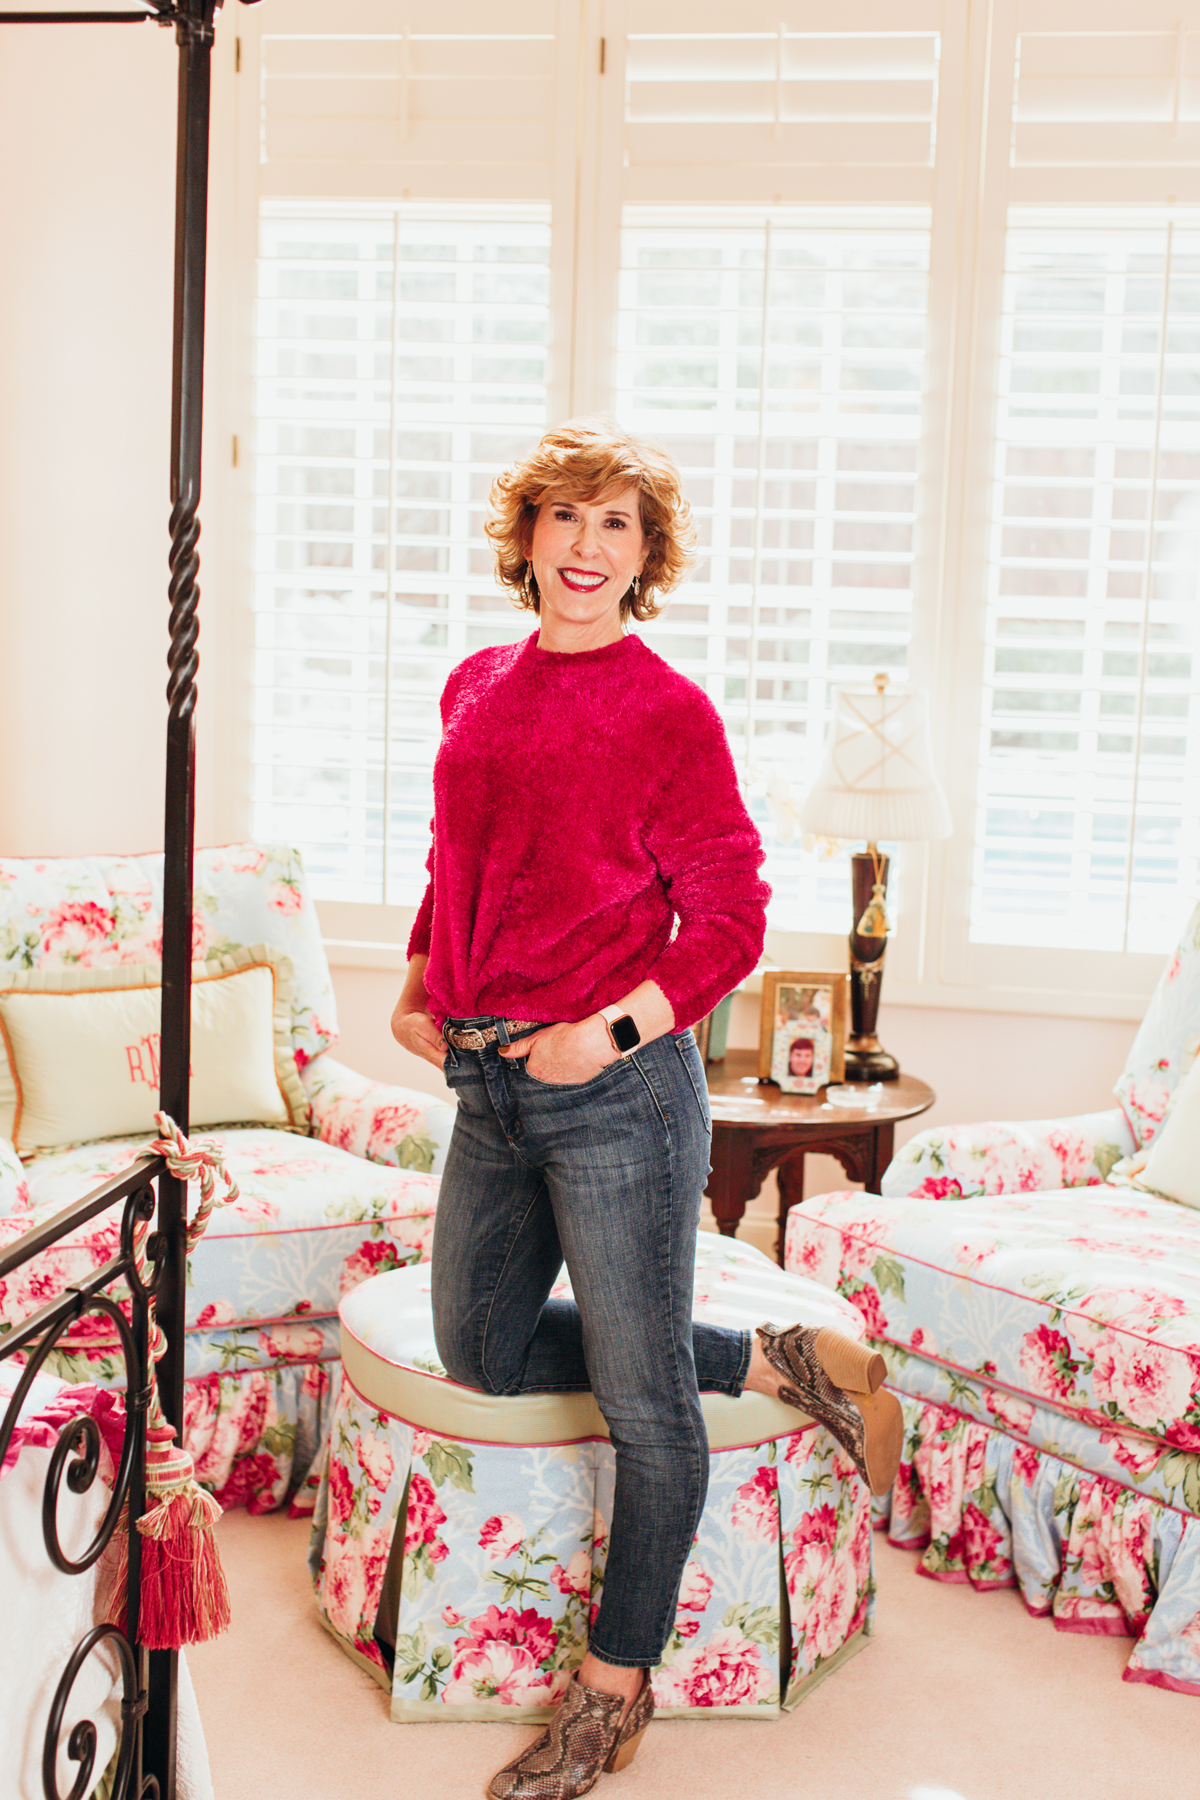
[
  {"x": 584, "y": 1736},
  {"x": 838, "y": 1381}
]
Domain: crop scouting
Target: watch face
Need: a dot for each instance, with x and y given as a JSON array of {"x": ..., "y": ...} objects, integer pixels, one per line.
[{"x": 626, "y": 1035}]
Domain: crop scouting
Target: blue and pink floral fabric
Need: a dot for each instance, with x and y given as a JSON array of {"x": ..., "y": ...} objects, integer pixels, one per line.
[
  {"x": 375, "y": 1120},
  {"x": 264, "y": 1283},
  {"x": 1167, "y": 1041},
  {"x": 316, "y": 1215},
  {"x": 309, "y": 1222},
  {"x": 1086, "y": 1301},
  {"x": 502, "y": 1567},
  {"x": 102, "y": 911},
  {"x": 958, "y": 1161},
  {"x": 985, "y": 1506},
  {"x": 950, "y": 1162},
  {"x": 1047, "y": 1351}
]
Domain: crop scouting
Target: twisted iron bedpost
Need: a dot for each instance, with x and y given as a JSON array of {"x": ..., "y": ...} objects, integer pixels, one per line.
[{"x": 194, "y": 35}]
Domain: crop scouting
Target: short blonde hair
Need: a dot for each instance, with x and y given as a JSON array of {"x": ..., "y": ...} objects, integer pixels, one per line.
[{"x": 580, "y": 461}]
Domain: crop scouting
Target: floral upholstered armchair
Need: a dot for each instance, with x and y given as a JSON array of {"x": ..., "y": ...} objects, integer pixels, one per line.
[
  {"x": 1046, "y": 1155},
  {"x": 1043, "y": 1337},
  {"x": 350, "y": 1188}
]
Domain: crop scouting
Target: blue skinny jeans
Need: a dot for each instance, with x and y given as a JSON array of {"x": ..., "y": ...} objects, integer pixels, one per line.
[{"x": 607, "y": 1175}]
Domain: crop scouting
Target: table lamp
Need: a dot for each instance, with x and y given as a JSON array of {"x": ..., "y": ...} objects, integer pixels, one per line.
[{"x": 877, "y": 781}]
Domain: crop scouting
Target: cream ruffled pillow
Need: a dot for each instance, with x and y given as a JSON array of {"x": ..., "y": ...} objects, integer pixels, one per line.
[{"x": 80, "y": 1050}]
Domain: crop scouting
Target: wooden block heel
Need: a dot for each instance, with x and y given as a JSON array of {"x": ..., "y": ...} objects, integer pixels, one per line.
[
  {"x": 883, "y": 1437},
  {"x": 624, "y": 1753},
  {"x": 850, "y": 1365},
  {"x": 838, "y": 1382}
]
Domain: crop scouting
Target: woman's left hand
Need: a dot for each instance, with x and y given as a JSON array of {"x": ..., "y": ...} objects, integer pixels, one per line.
[{"x": 565, "y": 1054}]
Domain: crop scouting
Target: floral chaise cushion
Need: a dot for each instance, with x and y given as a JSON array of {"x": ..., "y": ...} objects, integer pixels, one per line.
[
  {"x": 257, "y": 1265},
  {"x": 1086, "y": 1301}
]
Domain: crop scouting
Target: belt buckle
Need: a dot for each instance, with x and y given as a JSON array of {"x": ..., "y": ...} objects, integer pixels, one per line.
[{"x": 468, "y": 1037}]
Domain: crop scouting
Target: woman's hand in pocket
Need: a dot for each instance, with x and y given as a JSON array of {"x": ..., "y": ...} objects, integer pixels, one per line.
[
  {"x": 417, "y": 1033},
  {"x": 565, "y": 1055}
]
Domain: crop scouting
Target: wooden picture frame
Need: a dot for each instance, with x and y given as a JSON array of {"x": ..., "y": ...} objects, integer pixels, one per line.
[{"x": 803, "y": 1011}]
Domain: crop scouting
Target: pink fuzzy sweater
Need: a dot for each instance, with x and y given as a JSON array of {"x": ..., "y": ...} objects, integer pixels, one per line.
[{"x": 583, "y": 802}]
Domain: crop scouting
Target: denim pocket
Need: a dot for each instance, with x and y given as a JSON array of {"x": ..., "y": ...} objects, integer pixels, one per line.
[
  {"x": 568, "y": 1087},
  {"x": 689, "y": 1056}
]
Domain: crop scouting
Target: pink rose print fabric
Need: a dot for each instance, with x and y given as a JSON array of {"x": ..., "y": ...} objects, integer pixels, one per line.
[
  {"x": 373, "y": 1120},
  {"x": 316, "y": 1215},
  {"x": 503, "y": 1556},
  {"x": 1019, "y": 1291},
  {"x": 1085, "y": 1551},
  {"x": 1046, "y": 1349},
  {"x": 1048, "y": 1154},
  {"x": 962, "y": 1161},
  {"x": 101, "y": 911},
  {"x": 1166, "y": 1043}
]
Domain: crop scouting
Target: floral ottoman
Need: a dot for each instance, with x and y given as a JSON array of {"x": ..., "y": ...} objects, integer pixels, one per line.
[
  {"x": 1046, "y": 1350},
  {"x": 459, "y": 1539}
]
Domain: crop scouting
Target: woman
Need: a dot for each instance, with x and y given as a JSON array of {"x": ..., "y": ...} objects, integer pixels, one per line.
[
  {"x": 585, "y": 801},
  {"x": 800, "y": 1058}
]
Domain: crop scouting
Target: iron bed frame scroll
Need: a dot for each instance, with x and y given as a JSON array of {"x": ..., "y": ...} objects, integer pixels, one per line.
[{"x": 146, "y": 1755}]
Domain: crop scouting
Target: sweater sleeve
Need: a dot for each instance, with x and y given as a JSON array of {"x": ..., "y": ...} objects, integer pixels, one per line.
[
  {"x": 708, "y": 854},
  {"x": 420, "y": 936}
]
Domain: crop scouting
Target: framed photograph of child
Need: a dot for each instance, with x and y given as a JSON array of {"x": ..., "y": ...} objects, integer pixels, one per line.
[{"x": 802, "y": 1033}]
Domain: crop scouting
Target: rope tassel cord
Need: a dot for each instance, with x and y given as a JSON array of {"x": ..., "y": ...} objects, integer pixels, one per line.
[{"x": 184, "y": 1597}]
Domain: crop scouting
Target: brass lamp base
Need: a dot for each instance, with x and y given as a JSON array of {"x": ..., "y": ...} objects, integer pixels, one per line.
[{"x": 866, "y": 1060}]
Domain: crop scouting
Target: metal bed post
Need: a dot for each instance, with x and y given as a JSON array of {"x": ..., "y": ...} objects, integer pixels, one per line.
[
  {"x": 194, "y": 35},
  {"x": 148, "y": 1754}
]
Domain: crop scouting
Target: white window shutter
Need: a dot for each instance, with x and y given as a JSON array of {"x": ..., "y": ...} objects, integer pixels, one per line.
[
  {"x": 401, "y": 364},
  {"x": 1088, "y": 831},
  {"x": 754, "y": 105},
  {"x": 1106, "y": 91},
  {"x": 453, "y": 102}
]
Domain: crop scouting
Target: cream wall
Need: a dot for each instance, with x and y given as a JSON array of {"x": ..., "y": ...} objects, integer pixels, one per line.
[{"x": 87, "y": 150}]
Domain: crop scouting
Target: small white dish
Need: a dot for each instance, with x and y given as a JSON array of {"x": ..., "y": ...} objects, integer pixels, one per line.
[{"x": 865, "y": 1095}]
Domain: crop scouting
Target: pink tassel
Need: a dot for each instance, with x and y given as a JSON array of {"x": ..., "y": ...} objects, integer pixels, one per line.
[
  {"x": 184, "y": 1599},
  {"x": 184, "y": 1596}
]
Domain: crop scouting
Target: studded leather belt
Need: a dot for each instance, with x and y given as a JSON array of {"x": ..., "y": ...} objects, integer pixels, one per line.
[{"x": 473, "y": 1038}]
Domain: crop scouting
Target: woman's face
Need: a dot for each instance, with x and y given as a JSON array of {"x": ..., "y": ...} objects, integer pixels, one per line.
[
  {"x": 584, "y": 554},
  {"x": 800, "y": 1061}
]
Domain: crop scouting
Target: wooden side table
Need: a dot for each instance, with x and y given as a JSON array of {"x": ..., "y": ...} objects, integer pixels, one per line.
[{"x": 756, "y": 1129}]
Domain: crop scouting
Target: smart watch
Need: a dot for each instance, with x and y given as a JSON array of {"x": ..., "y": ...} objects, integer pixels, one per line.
[{"x": 621, "y": 1029}]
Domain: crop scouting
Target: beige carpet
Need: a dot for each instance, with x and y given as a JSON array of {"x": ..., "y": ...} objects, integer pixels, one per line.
[{"x": 959, "y": 1696}]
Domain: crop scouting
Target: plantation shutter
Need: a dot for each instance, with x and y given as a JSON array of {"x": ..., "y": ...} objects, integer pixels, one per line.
[
  {"x": 1089, "y": 814},
  {"x": 745, "y": 105},
  {"x": 401, "y": 99},
  {"x": 403, "y": 348},
  {"x": 1114, "y": 90}
]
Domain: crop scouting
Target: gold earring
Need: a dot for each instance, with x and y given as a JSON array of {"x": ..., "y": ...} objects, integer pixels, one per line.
[{"x": 637, "y": 586}]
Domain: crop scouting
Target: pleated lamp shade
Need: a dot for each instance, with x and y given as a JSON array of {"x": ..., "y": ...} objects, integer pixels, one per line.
[{"x": 878, "y": 780}]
